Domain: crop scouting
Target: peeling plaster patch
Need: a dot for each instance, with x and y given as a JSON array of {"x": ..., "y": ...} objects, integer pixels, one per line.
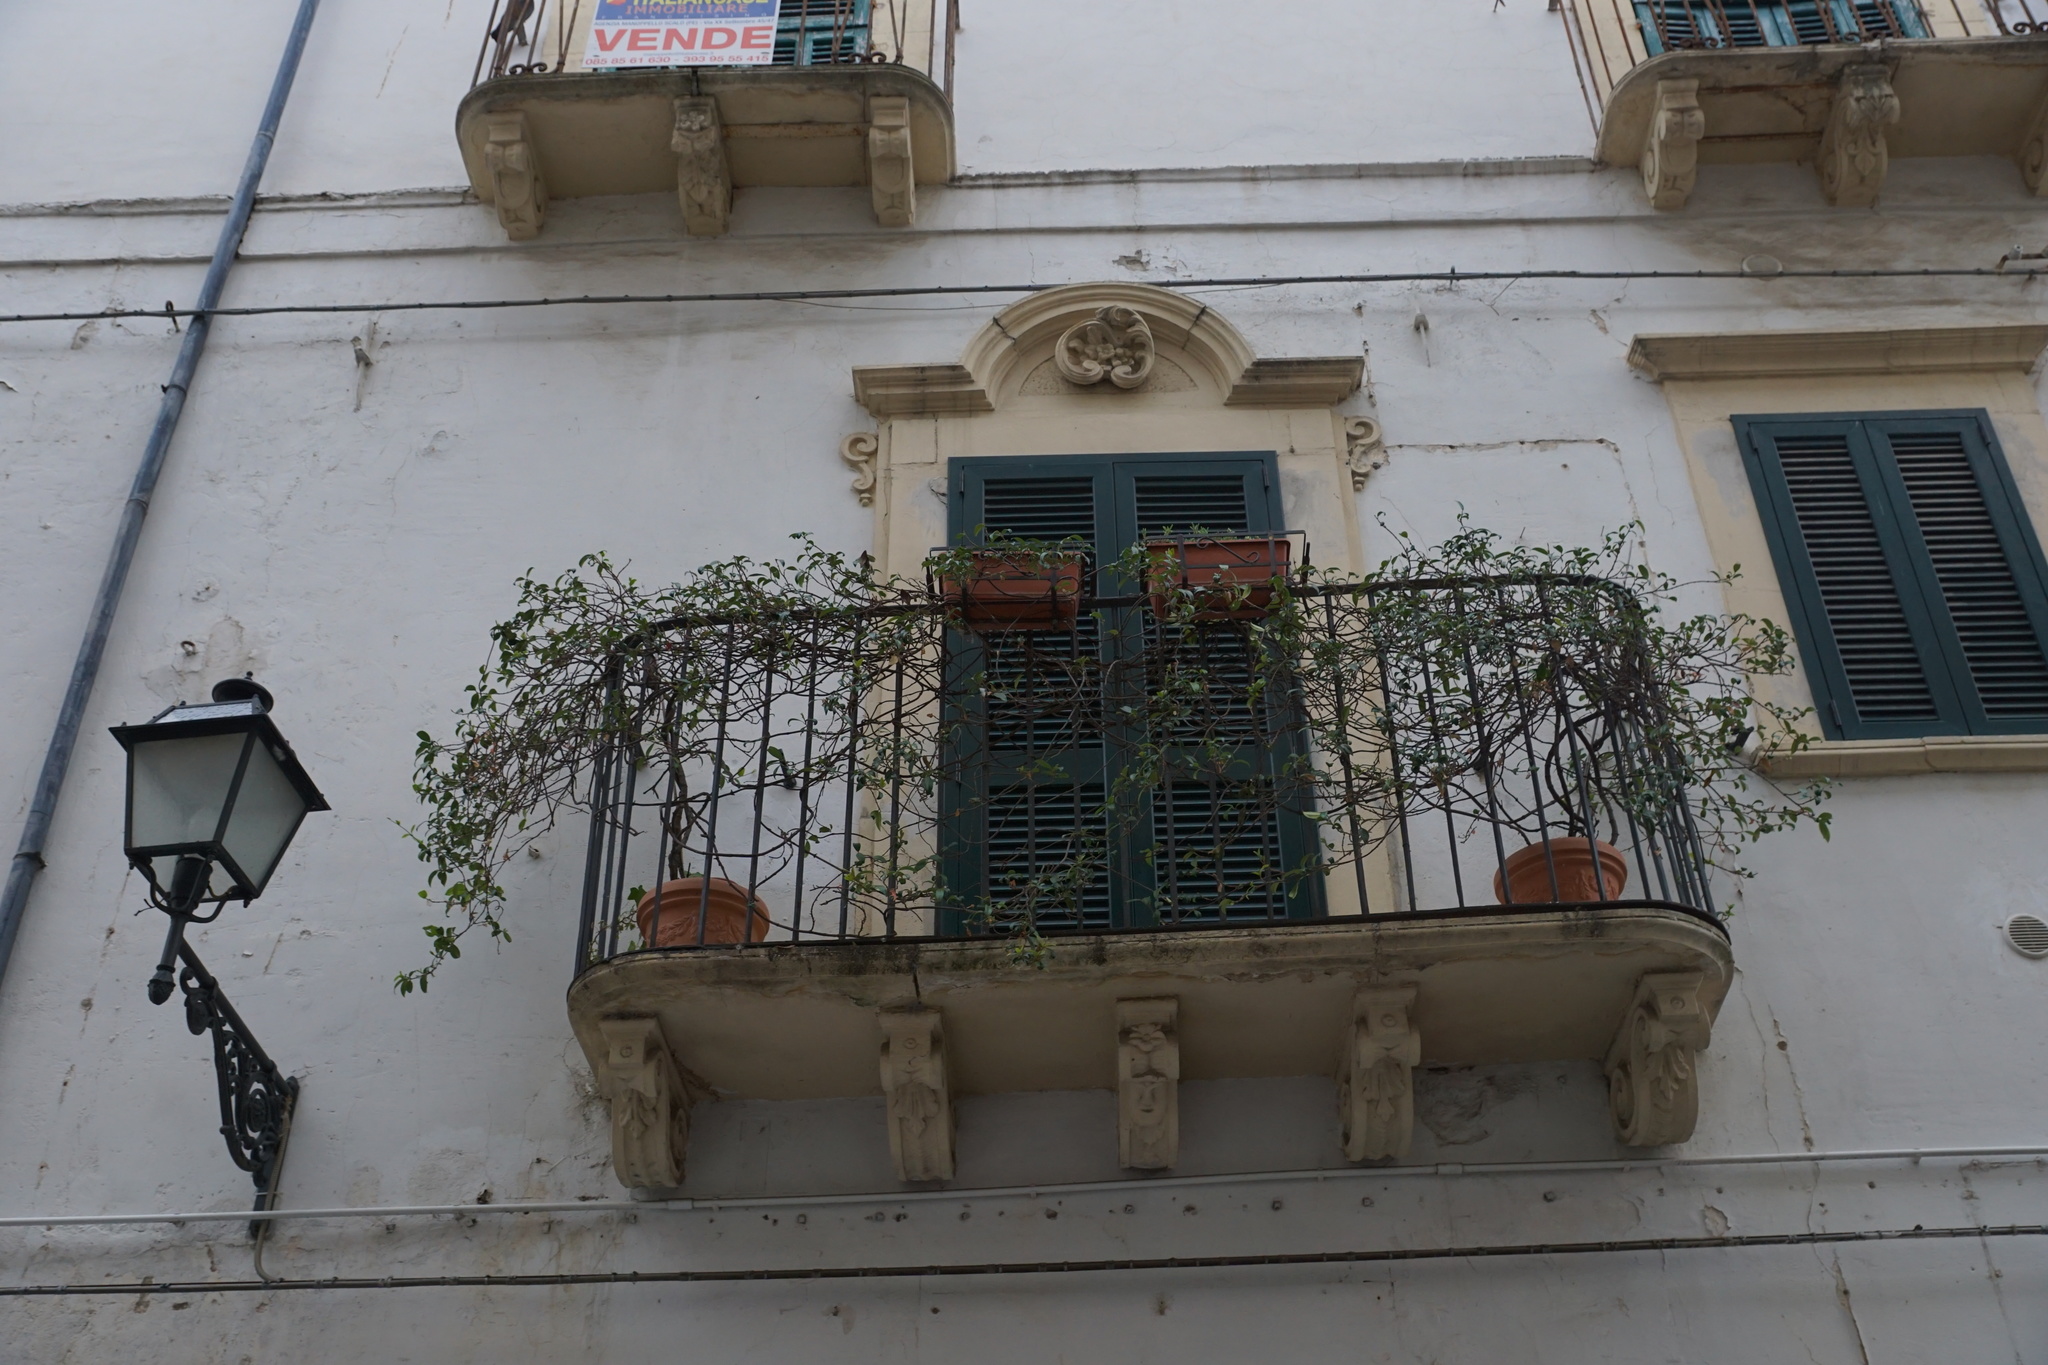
[
  {"x": 1715, "y": 1221},
  {"x": 1453, "y": 1104},
  {"x": 83, "y": 337}
]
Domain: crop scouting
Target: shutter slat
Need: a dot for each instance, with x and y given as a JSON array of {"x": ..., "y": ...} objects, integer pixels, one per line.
[
  {"x": 1997, "y": 634},
  {"x": 1036, "y": 833},
  {"x": 1216, "y": 852},
  {"x": 1887, "y": 681},
  {"x": 1183, "y": 502}
]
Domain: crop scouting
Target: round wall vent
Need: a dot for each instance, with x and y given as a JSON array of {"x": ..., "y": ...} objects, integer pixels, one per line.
[{"x": 2028, "y": 934}]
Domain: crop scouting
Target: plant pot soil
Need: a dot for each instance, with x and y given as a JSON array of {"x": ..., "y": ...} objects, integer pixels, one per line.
[
  {"x": 684, "y": 902},
  {"x": 1232, "y": 577},
  {"x": 1016, "y": 592},
  {"x": 1529, "y": 871}
]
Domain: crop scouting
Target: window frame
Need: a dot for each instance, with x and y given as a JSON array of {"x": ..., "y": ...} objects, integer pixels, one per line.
[{"x": 1922, "y": 600}]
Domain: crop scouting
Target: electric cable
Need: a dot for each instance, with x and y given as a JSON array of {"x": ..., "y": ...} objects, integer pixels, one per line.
[
  {"x": 941, "y": 290},
  {"x": 1390, "y": 1255}
]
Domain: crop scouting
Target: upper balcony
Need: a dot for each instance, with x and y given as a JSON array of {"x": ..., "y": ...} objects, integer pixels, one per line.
[
  {"x": 839, "y": 93},
  {"x": 910, "y": 851},
  {"x": 1844, "y": 84}
]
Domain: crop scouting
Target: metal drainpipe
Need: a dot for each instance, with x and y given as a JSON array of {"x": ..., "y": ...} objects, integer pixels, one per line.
[{"x": 28, "y": 858}]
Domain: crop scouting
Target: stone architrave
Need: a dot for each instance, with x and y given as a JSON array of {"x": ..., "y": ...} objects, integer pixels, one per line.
[
  {"x": 1671, "y": 153},
  {"x": 891, "y": 177},
  {"x": 1375, "y": 1085},
  {"x": 516, "y": 183},
  {"x": 860, "y": 451},
  {"x": 1148, "y": 1083},
  {"x": 920, "y": 1105},
  {"x": 1652, "y": 1079},
  {"x": 1364, "y": 449},
  {"x": 703, "y": 181},
  {"x": 650, "y": 1106},
  {"x": 1115, "y": 344},
  {"x": 2033, "y": 156},
  {"x": 1853, "y": 154}
]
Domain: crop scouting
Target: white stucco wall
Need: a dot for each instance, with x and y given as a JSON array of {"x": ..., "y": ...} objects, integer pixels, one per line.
[
  {"x": 355, "y": 557},
  {"x": 1054, "y": 85}
]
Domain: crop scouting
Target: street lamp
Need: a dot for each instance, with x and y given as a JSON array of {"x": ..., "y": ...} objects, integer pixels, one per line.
[{"x": 215, "y": 795}]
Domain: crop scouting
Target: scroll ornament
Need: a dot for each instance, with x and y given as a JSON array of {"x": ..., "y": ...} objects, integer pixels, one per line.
[
  {"x": 859, "y": 451},
  {"x": 1116, "y": 344}
]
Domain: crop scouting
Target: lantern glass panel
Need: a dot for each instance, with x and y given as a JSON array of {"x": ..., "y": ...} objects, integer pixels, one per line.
[
  {"x": 178, "y": 787},
  {"x": 267, "y": 813}
]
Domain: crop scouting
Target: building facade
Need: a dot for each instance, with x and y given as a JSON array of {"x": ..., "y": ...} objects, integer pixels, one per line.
[{"x": 1324, "y": 281}]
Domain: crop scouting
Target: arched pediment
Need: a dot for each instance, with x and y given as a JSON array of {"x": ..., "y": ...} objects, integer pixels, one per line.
[{"x": 1109, "y": 337}]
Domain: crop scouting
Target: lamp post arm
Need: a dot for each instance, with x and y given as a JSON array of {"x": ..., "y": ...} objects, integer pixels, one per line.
[{"x": 256, "y": 1099}]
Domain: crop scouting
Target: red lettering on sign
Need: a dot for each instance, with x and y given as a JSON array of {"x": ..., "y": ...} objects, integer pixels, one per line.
[
  {"x": 685, "y": 38},
  {"x": 608, "y": 39},
  {"x": 713, "y": 37},
  {"x": 757, "y": 38},
  {"x": 633, "y": 44}
]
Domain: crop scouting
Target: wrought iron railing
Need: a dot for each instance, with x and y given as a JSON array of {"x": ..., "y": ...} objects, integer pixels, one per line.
[
  {"x": 539, "y": 37},
  {"x": 882, "y": 772},
  {"x": 1609, "y": 37}
]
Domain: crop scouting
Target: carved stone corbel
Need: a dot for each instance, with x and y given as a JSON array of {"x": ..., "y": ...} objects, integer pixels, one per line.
[
  {"x": 1652, "y": 1083},
  {"x": 920, "y": 1105},
  {"x": 703, "y": 181},
  {"x": 1671, "y": 154},
  {"x": 1364, "y": 450},
  {"x": 1148, "y": 1083},
  {"x": 516, "y": 182},
  {"x": 1853, "y": 154},
  {"x": 860, "y": 451},
  {"x": 1376, "y": 1082},
  {"x": 2033, "y": 157},
  {"x": 1115, "y": 344},
  {"x": 650, "y": 1105},
  {"x": 891, "y": 177}
]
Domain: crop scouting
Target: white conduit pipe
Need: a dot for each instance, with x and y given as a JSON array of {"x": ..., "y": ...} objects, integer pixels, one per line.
[{"x": 2037, "y": 1151}]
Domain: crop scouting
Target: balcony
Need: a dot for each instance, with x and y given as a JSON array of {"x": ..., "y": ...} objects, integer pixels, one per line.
[
  {"x": 892, "y": 851},
  {"x": 845, "y": 97},
  {"x": 1843, "y": 84}
]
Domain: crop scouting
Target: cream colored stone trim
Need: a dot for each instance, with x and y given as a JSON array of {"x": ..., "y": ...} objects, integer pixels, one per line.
[
  {"x": 1786, "y": 355},
  {"x": 650, "y": 1104},
  {"x": 1671, "y": 152},
  {"x": 917, "y": 1094},
  {"x": 1148, "y": 1083},
  {"x": 1854, "y": 155},
  {"x": 1376, "y": 1080},
  {"x": 1935, "y": 754},
  {"x": 1032, "y": 327},
  {"x": 1653, "y": 1083}
]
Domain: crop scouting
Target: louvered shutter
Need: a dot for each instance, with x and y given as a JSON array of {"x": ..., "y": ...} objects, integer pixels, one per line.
[
  {"x": 1917, "y": 587},
  {"x": 1037, "y": 790}
]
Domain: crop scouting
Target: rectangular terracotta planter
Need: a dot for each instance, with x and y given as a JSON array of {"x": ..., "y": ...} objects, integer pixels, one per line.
[
  {"x": 1232, "y": 577},
  {"x": 1016, "y": 592}
]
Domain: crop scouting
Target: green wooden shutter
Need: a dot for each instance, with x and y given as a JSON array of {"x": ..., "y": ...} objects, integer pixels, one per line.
[
  {"x": 1917, "y": 587},
  {"x": 1039, "y": 772},
  {"x": 1030, "y": 800}
]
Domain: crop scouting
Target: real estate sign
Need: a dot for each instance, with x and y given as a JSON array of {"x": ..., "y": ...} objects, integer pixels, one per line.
[{"x": 681, "y": 33}]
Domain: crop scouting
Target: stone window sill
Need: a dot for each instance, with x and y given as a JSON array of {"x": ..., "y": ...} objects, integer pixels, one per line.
[{"x": 1934, "y": 754}]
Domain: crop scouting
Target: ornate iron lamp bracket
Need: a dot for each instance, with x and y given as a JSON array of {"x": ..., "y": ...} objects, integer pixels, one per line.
[{"x": 256, "y": 1099}]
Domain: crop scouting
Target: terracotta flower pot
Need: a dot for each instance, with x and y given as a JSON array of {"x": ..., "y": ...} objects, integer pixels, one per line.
[
  {"x": 724, "y": 913},
  {"x": 1528, "y": 873},
  {"x": 1016, "y": 592},
  {"x": 1233, "y": 577}
]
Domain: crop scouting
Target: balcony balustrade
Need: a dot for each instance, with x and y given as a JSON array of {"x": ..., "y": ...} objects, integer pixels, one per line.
[
  {"x": 884, "y": 852},
  {"x": 1844, "y": 84},
  {"x": 851, "y": 95}
]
